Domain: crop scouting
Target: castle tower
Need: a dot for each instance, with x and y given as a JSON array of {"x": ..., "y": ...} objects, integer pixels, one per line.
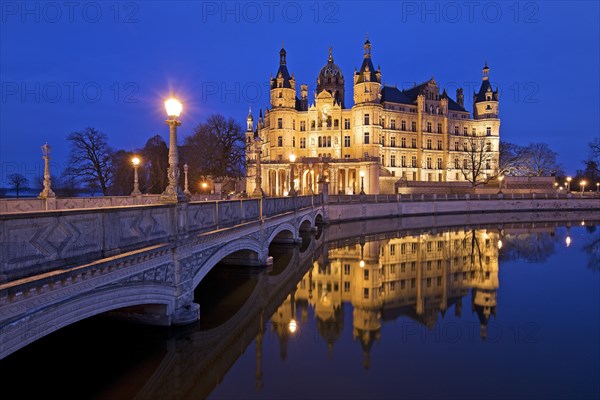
[
  {"x": 485, "y": 103},
  {"x": 283, "y": 86},
  {"x": 367, "y": 81},
  {"x": 331, "y": 79}
]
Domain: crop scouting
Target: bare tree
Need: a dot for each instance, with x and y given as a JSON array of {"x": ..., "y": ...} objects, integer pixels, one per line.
[
  {"x": 540, "y": 160},
  {"x": 91, "y": 159},
  {"x": 477, "y": 161},
  {"x": 155, "y": 161},
  {"x": 216, "y": 149},
  {"x": 18, "y": 182},
  {"x": 511, "y": 159}
]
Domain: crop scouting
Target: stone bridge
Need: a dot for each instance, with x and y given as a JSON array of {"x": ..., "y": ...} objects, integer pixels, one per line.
[{"x": 142, "y": 262}]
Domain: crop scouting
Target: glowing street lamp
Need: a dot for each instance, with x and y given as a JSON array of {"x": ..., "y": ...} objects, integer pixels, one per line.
[
  {"x": 136, "y": 186},
  {"x": 292, "y": 191},
  {"x": 582, "y": 184},
  {"x": 362, "y": 182},
  {"x": 172, "y": 193},
  {"x": 293, "y": 326},
  {"x": 500, "y": 178},
  {"x": 598, "y": 187},
  {"x": 569, "y": 184}
]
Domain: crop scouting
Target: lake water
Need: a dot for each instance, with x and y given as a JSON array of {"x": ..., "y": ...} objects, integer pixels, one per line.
[{"x": 495, "y": 311}]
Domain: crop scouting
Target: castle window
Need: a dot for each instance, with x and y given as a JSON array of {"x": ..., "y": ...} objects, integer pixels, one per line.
[
  {"x": 382, "y": 159},
  {"x": 487, "y": 165},
  {"x": 302, "y": 143},
  {"x": 328, "y": 141},
  {"x": 312, "y": 125},
  {"x": 474, "y": 131},
  {"x": 414, "y": 143},
  {"x": 439, "y": 163},
  {"x": 346, "y": 269},
  {"x": 403, "y": 160},
  {"x": 465, "y": 131},
  {"x": 403, "y": 125},
  {"x": 393, "y": 141},
  {"x": 279, "y": 123},
  {"x": 456, "y": 145},
  {"x": 429, "y": 144},
  {"x": 392, "y": 160},
  {"x": 392, "y": 286},
  {"x": 393, "y": 124},
  {"x": 366, "y": 293},
  {"x": 346, "y": 123},
  {"x": 456, "y": 129},
  {"x": 346, "y": 286},
  {"x": 488, "y": 97},
  {"x": 465, "y": 164},
  {"x": 414, "y": 161},
  {"x": 320, "y": 141},
  {"x": 302, "y": 126},
  {"x": 294, "y": 124},
  {"x": 414, "y": 126},
  {"x": 382, "y": 140},
  {"x": 439, "y": 128},
  {"x": 280, "y": 141},
  {"x": 429, "y": 127},
  {"x": 347, "y": 141},
  {"x": 488, "y": 146},
  {"x": 403, "y": 143},
  {"x": 456, "y": 165},
  {"x": 280, "y": 95},
  {"x": 366, "y": 274},
  {"x": 366, "y": 119},
  {"x": 336, "y": 123},
  {"x": 439, "y": 145},
  {"x": 488, "y": 131},
  {"x": 429, "y": 162},
  {"x": 366, "y": 138}
]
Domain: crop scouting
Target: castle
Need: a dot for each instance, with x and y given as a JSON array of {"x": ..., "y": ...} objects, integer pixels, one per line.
[{"x": 389, "y": 136}]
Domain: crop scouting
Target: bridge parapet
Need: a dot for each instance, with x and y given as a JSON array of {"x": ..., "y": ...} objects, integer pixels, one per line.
[{"x": 38, "y": 242}]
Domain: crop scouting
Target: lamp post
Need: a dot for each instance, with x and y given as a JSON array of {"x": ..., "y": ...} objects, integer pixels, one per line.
[
  {"x": 292, "y": 191},
  {"x": 500, "y": 178},
  {"x": 258, "y": 192},
  {"x": 361, "y": 263},
  {"x": 172, "y": 193},
  {"x": 569, "y": 184},
  {"x": 136, "y": 186},
  {"x": 362, "y": 182},
  {"x": 47, "y": 191},
  {"x": 186, "y": 189},
  {"x": 598, "y": 187},
  {"x": 582, "y": 184}
]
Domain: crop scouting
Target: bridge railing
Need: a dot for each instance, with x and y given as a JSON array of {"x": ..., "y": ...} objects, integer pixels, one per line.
[
  {"x": 38, "y": 242},
  {"x": 393, "y": 198}
]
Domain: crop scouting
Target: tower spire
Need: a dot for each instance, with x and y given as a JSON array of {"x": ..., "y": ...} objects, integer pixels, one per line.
[{"x": 367, "y": 48}]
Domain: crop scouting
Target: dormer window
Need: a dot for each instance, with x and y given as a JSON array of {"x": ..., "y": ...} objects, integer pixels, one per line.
[
  {"x": 488, "y": 97},
  {"x": 279, "y": 84}
]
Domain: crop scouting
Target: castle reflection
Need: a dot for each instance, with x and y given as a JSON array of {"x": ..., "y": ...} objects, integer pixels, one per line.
[{"x": 417, "y": 276}]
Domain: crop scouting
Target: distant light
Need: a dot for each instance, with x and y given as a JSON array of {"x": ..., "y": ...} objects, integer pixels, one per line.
[
  {"x": 361, "y": 263},
  {"x": 568, "y": 241},
  {"x": 292, "y": 326},
  {"x": 362, "y": 174},
  {"x": 136, "y": 161},
  {"x": 204, "y": 185},
  {"x": 173, "y": 107},
  {"x": 582, "y": 223},
  {"x": 499, "y": 244},
  {"x": 292, "y": 158}
]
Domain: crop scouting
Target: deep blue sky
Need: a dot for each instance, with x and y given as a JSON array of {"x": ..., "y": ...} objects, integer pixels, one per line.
[{"x": 109, "y": 65}]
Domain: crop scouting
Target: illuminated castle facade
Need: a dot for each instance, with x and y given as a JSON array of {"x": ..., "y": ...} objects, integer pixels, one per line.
[{"x": 388, "y": 136}]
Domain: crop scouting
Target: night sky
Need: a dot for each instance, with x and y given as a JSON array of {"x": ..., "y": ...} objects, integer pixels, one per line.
[{"x": 65, "y": 66}]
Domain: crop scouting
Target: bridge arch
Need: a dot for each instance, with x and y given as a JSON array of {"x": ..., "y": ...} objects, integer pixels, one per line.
[
  {"x": 50, "y": 319},
  {"x": 246, "y": 244},
  {"x": 286, "y": 226}
]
